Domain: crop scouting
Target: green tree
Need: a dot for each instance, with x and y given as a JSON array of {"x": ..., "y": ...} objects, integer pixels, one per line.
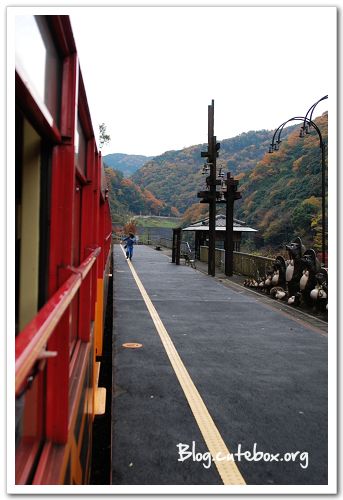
[{"x": 103, "y": 137}]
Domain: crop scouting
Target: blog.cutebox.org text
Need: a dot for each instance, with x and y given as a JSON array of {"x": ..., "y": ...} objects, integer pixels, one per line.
[{"x": 186, "y": 452}]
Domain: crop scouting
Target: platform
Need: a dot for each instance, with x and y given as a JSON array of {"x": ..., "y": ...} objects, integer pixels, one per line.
[{"x": 260, "y": 372}]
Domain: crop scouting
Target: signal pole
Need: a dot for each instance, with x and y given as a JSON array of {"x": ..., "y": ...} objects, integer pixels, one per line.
[
  {"x": 228, "y": 194},
  {"x": 211, "y": 182},
  {"x": 210, "y": 195}
]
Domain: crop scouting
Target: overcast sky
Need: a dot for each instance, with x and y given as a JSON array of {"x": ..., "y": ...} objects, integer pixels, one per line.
[{"x": 150, "y": 72}]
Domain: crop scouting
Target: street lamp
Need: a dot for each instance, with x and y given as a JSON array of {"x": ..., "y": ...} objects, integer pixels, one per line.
[
  {"x": 305, "y": 129},
  {"x": 312, "y": 108}
]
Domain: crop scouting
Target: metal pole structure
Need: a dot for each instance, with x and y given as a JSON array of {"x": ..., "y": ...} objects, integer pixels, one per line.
[
  {"x": 274, "y": 146},
  {"x": 212, "y": 201},
  {"x": 306, "y": 125},
  {"x": 229, "y": 195},
  {"x": 323, "y": 206}
]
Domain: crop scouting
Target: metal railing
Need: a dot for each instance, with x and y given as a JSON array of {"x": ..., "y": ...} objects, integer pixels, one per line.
[
  {"x": 168, "y": 243},
  {"x": 243, "y": 263},
  {"x": 32, "y": 339}
]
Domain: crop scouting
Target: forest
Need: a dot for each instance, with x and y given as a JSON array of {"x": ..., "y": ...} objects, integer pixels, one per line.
[
  {"x": 126, "y": 164},
  {"x": 281, "y": 196},
  {"x": 127, "y": 198},
  {"x": 281, "y": 192}
]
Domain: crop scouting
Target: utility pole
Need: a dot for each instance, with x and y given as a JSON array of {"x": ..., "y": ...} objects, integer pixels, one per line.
[{"x": 210, "y": 195}]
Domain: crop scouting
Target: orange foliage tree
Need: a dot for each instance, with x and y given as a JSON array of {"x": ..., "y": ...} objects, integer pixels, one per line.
[{"x": 130, "y": 227}]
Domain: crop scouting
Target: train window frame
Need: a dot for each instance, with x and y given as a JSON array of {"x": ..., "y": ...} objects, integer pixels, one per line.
[
  {"x": 32, "y": 100},
  {"x": 80, "y": 148},
  {"x": 84, "y": 121}
]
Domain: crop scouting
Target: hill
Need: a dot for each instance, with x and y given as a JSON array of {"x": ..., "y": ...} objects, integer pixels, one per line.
[
  {"x": 281, "y": 192},
  {"x": 175, "y": 176},
  {"x": 126, "y": 198},
  {"x": 281, "y": 195},
  {"x": 127, "y": 164}
]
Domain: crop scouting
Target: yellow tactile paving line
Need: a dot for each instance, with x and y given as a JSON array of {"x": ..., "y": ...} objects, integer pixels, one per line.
[{"x": 228, "y": 470}]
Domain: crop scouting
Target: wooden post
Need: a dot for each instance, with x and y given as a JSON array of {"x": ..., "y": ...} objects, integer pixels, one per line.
[
  {"x": 229, "y": 229},
  {"x": 176, "y": 248},
  {"x": 212, "y": 201},
  {"x": 210, "y": 195},
  {"x": 230, "y": 196},
  {"x": 178, "y": 245}
]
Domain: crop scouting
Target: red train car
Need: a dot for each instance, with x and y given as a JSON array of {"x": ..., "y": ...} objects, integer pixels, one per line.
[{"x": 63, "y": 256}]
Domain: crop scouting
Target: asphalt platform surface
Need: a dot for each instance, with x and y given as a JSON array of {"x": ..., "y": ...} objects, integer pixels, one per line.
[{"x": 261, "y": 373}]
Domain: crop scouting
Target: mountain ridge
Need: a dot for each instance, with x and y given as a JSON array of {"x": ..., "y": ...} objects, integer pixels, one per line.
[
  {"x": 125, "y": 163},
  {"x": 175, "y": 176},
  {"x": 281, "y": 192}
]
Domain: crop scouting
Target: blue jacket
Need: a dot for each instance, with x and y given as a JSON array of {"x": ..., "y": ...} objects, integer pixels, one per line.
[{"x": 129, "y": 241}]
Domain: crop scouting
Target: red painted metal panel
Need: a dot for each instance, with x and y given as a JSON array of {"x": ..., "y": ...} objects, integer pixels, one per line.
[
  {"x": 57, "y": 404},
  {"x": 61, "y": 232},
  {"x": 51, "y": 464},
  {"x": 101, "y": 240},
  {"x": 61, "y": 243},
  {"x": 95, "y": 229},
  {"x": 87, "y": 222},
  {"x": 25, "y": 459}
]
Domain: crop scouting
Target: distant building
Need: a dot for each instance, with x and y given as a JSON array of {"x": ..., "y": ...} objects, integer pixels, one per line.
[{"x": 201, "y": 232}]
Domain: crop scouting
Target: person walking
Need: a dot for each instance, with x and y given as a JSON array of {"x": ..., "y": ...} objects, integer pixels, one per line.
[{"x": 129, "y": 242}]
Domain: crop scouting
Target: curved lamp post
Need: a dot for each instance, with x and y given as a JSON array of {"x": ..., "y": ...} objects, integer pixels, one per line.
[
  {"x": 305, "y": 129},
  {"x": 310, "y": 112}
]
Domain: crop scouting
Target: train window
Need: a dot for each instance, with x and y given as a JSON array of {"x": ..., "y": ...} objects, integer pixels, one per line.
[
  {"x": 38, "y": 59},
  {"x": 18, "y": 189},
  {"x": 80, "y": 148},
  {"x": 29, "y": 217},
  {"x": 28, "y": 417}
]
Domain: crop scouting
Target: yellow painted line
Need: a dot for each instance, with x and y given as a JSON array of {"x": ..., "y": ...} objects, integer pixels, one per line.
[{"x": 228, "y": 470}]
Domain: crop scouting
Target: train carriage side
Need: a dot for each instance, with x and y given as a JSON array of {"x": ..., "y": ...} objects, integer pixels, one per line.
[{"x": 63, "y": 256}]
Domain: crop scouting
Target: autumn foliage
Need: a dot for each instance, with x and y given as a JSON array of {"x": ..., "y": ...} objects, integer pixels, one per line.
[
  {"x": 130, "y": 227},
  {"x": 126, "y": 197},
  {"x": 282, "y": 195}
]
